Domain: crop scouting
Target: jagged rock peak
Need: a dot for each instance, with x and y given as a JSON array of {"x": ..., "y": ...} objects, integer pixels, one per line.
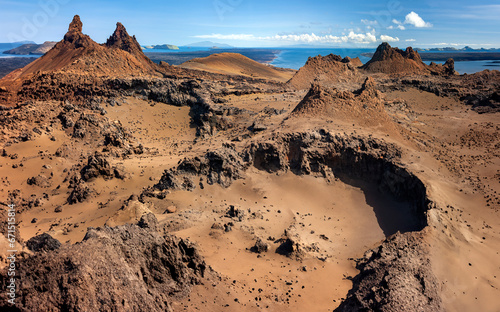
[
  {"x": 368, "y": 84},
  {"x": 385, "y": 51},
  {"x": 75, "y": 25},
  {"x": 120, "y": 32},
  {"x": 75, "y": 35},
  {"x": 122, "y": 40}
]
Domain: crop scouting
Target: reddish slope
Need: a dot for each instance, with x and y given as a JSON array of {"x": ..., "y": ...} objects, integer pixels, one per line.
[
  {"x": 391, "y": 60},
  {"x": 78, "y": 54},
  {"x": 237, "y": 64},
  {"x": 326, "y": 70}
]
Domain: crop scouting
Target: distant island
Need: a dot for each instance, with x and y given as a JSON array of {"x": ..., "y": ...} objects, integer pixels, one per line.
[
  {"x": 32, "y": 48},
  {"x": 264, "y": 56},
  {"x": 209, "y": 44},
  {"x": 458, "y": 55},
  {"x": 162, "y": 47},
  {"x": 452, "y": 49},
  {"x": 12, "y": 45}
]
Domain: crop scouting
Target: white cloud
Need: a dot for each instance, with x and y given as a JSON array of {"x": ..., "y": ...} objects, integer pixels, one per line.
[
  {"x": 351, "y": 37},
  {"x": 414, "y": 19},
  {"x": 399, "y": 25},
  {"x": 388, "y": 38},
  {"x": 369, "y": 23},
  {"x": 410, "y": 40}
]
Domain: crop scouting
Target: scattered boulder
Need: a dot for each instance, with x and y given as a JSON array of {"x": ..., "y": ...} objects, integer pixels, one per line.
[
  {"x": 236, "y": 213},
  {"x": 43, "y": 242},
  {"x": 291, "y": 248},
  {"x": 40, "y": 181},
  {"x": 97, "y": 165},
  {"x": 260, "y": 246},
  {"x": 171, "y": 209},
  {"x": 80, "y": 193},
  {"x": 148, "y": 221}
]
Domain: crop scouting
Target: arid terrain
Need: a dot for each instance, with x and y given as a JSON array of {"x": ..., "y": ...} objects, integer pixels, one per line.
[{"x": 223, "y": 184}]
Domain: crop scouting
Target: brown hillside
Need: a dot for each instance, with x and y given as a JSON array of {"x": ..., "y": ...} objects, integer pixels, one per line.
[
  {"x": 364, "y": 106},
  {"x": 78, "y": 54},
  {"x": 327, "y": 70},
  {"x": 237, "y": 64},
  {"x": 391, "y": 60}
]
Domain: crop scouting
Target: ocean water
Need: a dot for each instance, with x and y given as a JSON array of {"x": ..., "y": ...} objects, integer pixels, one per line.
[
  {"x": 295, "y": 58},
  {"x": 181, "y": 49},
  {"x": 471, "y": 67}
]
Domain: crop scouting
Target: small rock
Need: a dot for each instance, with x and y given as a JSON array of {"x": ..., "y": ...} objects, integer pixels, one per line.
[
  {"x": 171, "y": 209},
  {"x": 217, "y": 226},
  {"x": 148, "y": 221},
  {"x": 260, "y": 246}
]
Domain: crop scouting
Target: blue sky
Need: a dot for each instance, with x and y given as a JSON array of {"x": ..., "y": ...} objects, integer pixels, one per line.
[{"x": 258, "y": 23}]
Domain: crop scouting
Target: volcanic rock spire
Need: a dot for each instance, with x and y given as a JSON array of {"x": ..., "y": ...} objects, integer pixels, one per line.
[{"x": 120, "y": 39}]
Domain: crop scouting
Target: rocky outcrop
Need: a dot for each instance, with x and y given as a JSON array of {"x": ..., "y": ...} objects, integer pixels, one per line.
[
  {"x": 80, "y": 192},
  {"x": 120, "y": 39},
  {"x": 391, "y": 60},
  {"x": 363, "y": 106},
  {"x": 397, "y": 276},
  {"x": 97, "y": 165},
  {"x": 221, "y": 166},
  {"x": 326, "y": 70},
  {"x": 124, "y": 268},
  {"x": 479, "y": 90},
  {"x": 75, "y": 37},
  {"x": 322, "y": 100}
]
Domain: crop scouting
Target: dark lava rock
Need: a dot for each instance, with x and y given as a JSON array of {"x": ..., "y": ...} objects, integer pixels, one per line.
[
  {"x": 43, "y": 242},
  {"x": 260, "y": 246},
  {"x": 221, "y": 167},
  {"x": 80, "y": 193},
  {"x": 235, "y": 213},
  {"x": 39, "y": 180},
  {"x": 397, "y": 276},
  {"x": 148, "y": 221},
  {"x": 124, "y": 268},
  {"x": 291, "y": 248},
  {"x": 97, "y": 165}
]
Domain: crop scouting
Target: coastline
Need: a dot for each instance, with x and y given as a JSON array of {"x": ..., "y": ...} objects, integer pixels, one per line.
[
  {"x": 261, "y": 55},
  {"x": 456, "y": 56},
  {"x": 289, "y": 58}
]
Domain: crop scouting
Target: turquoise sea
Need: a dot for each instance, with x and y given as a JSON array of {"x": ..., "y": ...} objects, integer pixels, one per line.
[{"x": 296, "y": 57}]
